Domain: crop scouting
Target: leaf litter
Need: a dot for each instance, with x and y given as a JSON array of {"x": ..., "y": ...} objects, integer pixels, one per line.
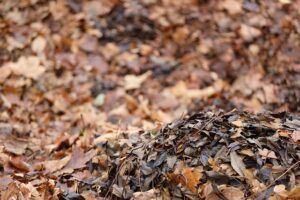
[{"x": 81, "y": 82}]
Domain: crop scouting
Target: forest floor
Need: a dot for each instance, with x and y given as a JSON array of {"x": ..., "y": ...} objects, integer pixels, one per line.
[{"x": 84, "y": 83}]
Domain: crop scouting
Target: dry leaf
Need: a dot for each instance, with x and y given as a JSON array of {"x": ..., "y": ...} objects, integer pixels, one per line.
[
  {"x": 232, "y": 193},
  {"x": 181, "y": 90},
  {"x": 98, "y": 8},
  {"x": 249, "y": 33},
  {"x": 232, "y": 6},
  {"x": 237, "y": 163},
  {"x": 79, "y": 158},
  {"x": 247, "y": 152},
  {"x": 186, "y": 176},
  {"x": 265, "y": 153},
  {"x": 15, "y": 145},
  {"x": 29, "y": 67},
  {"x": 54, "y": 165},
  {"x": 134, "y": 82},
  {"x": 296, "y": 136},
  {"x": 152, "y": 194},
  {"x": 5, "y": 71},
  {"x": 294, "y": 193},
  {"x": 38, "y": 44},
  {"x": 106, "y": 137},
  {"x": 19, "y": 164},
  {"x": 238, "y": 123}
]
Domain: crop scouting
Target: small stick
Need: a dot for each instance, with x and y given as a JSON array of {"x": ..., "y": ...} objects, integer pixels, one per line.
[{"x": 279, "y": 177}]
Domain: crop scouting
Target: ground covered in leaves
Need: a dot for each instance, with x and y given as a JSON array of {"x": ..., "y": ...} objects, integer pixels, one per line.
[{"x": 82, "y": 81}]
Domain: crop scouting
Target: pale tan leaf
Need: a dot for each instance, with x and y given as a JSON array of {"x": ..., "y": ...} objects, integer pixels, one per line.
[
  {"x": 29, "y": 67},
  {"x": 134, "y": 82},
  {"x": 38, "y": 44}
]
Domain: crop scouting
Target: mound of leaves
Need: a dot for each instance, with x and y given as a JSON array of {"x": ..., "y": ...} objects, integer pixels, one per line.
[{"x": 233, "y": 155}]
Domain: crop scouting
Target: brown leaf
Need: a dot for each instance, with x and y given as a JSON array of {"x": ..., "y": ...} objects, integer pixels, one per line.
[
  {"x": 5, "y": 71},
  {"x": 134, "y": 82},
  {"x": 54, "y": 165},
  {"x": 186, "y": 176},
  {"x": 296, "y": 136},
  {"x": 79, "y": 158},
  {"x": 29, "y": 67},
  {"x": 232, "y": 6},
  {"x": 249, "y": 33},
  {"x": 15, "y": 145},
  {"x": 19, "y": 164},
  {"x": 232, "y": 193},
  {"x": 237, "y": 163},
  {"x": 152, "y": 194},
  {"x": 265, "y": 153},
  {"x": 38, "y": 44}
]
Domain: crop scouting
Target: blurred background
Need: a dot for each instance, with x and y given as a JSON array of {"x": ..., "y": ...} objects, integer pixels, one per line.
[{"x": 137, "y": 63}]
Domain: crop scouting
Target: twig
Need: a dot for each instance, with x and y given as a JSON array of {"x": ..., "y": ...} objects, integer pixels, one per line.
[{"x": 279, "y": 177}]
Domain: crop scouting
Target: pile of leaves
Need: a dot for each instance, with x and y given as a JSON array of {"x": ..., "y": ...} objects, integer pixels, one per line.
[
  {"x": 76, "y": 75},
  {"x": 232, "y": 155}
]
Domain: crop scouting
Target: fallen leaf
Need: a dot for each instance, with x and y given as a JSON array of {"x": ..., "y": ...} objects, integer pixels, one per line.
[
  {"x": 29, "y": 67},
  {"x": 106, "y": 137},
  {"x": 98, "y": 8},
  {"x": 99, "y": 100},
  {"x": 294, "y": 193},
  {"x": 248, "y": 33},
  {"x": 5, "y": 71},
  {"x": 281, "y": 191},
  {"x": 15, "y": 145},
  {"x": 54, "y": 165},
  {"x": 232, "y": 6},
  {"x": 152, "y": 194},
  {"x": 134, "y": 82},
  {"x": 38, "y": 44},
  {"x": 232, "y": 193},
  {"x": 237, "y": 163},
  {"x": 79, "y": 158},
  {"x": 238, "y": 123},
  {"x": 265, "y": 153},
  {"x": 296, "y": 136},
  {"x": 19, "y": 164},
  {"x": 186, "y": 176},
  {"x": 181, "y": 90}
]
